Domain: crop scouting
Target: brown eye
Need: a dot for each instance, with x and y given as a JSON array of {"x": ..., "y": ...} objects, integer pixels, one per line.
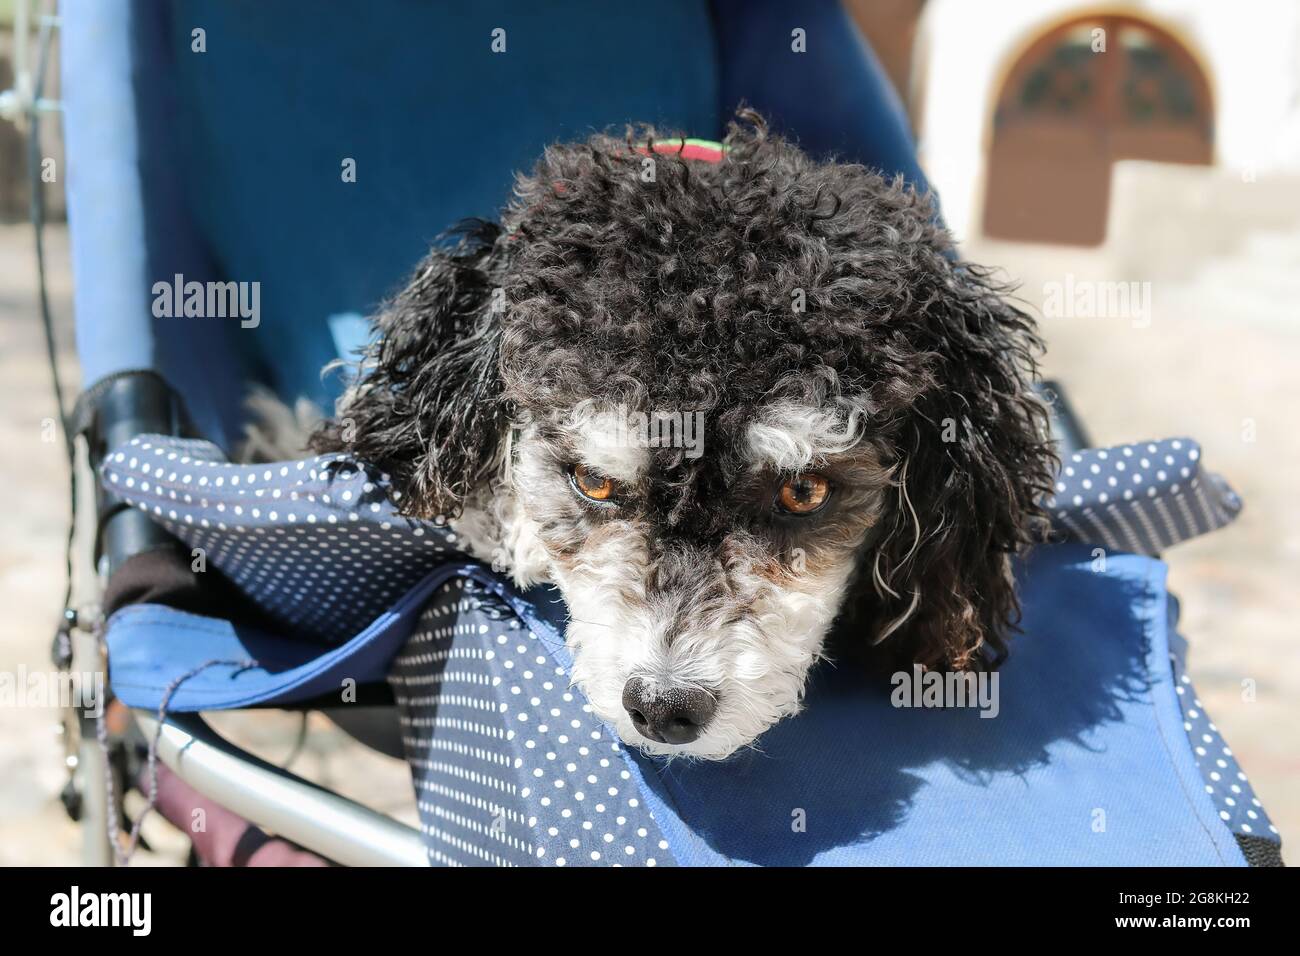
[
  {"x": 804, "y": 494},
  {"x": 591, "y": 485}
]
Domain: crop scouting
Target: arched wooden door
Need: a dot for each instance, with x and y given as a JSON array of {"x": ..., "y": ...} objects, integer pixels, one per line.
[{"x": 1088, "y": 93}]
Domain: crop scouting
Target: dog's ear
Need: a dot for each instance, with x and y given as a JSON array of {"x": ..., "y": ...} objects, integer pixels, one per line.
[
  {"x": 974, "y": 459},
  {"x": 427, "y": 405}
]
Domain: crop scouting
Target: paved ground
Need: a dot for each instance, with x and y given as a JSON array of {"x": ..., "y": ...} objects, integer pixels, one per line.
[
  {"x": 1196, "y": 369},
  {"x": 33, "y": 478}
]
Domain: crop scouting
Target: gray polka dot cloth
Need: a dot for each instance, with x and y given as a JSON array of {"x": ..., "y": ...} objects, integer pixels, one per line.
[
  {"x": 1141, "y": 498},
  {"x": 510, "y": 766},
  {"x": 1225, "y": 781},
  {"x": 303, "y": 539}
]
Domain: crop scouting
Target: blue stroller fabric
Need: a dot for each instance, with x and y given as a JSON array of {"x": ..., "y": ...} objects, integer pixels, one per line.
[
  {"x": 1084, "y": 765},
  {"x": 139, "y": 111},
  {"x": 473, "y": 664}
]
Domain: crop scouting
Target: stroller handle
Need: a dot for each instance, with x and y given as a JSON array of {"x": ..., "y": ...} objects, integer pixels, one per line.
[{"x": 117, "y": 409}]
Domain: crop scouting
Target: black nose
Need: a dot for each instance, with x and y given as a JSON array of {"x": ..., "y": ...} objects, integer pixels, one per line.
[{"x": 675, "y": 715}]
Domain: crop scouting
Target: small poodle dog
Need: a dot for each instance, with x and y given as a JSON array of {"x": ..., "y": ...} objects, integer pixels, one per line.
[{"x": 721, "y": 405}]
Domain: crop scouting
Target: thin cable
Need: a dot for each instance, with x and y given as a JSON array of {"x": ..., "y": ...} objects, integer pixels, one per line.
[
  {"x": 36, "y": 204},
  {"x": 121, "y": 855}
]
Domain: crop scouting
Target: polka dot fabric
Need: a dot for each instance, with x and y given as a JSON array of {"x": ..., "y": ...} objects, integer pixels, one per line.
[
  {"x": 303, "y": 538},
  {"x": 510, "y": 766},
  {"x": 316, "y": 543},
  {"x": 1225, "y": 781},
  {"x": 1140, "y": 498}
]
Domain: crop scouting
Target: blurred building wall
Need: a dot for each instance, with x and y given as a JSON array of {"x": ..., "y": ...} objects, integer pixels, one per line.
[{"x": 1248, "y": 52}]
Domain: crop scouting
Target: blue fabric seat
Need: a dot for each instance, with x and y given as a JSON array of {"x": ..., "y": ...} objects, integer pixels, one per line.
[{"x": 1087, "y": 761}]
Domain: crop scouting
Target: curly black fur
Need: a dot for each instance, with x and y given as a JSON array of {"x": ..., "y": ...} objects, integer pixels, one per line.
[
  {"x": 678, "y": 292},
  {"x": 429, "y": 410}
]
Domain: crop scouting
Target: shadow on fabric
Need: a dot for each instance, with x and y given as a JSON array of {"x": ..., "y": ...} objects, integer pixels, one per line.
[{"x": 851, "y": 767}]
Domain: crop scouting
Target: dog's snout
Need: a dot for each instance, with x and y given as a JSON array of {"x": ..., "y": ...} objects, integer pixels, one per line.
[{"x": 675, "y": 715}]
